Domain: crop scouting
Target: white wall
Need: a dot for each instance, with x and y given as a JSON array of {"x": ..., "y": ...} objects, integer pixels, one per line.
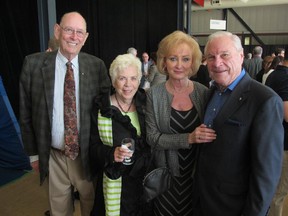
[{"x": 265, "y": 21}]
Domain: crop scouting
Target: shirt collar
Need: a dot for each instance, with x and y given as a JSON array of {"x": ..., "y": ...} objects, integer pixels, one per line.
[
  {"x": 237, "y": 80},
  {"x": 64, "y": 60},
  {"x": 233, "y": 84}
]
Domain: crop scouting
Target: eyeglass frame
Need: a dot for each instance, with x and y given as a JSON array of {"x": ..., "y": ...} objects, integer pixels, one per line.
[{"x": 70, "y": 31}]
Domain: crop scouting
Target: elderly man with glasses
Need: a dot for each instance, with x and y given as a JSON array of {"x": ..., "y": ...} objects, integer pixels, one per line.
[{"x": 55, "y": 104}]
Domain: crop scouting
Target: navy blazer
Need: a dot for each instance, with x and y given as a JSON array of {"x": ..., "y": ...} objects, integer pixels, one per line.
[
  {"x": 36, "y": 103},
  {"x": 238, "y": 173}
]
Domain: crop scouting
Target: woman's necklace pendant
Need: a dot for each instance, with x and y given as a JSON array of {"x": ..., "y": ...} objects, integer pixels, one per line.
[{"x": 121, "y": 108}]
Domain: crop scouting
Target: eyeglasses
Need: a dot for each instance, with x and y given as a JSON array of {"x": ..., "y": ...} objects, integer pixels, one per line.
[{"x": 71, "y": 31}]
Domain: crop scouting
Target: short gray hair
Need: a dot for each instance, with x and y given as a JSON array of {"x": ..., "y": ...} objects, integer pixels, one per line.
[
  {"x": 236, "y": 40},
  {"x": 257, "y": 50},
  {"x": 132, "y": 50}
]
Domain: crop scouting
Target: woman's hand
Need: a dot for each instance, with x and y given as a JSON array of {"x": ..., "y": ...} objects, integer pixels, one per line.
[
  {"x": 120, "y": 153},
  {"x": 202, "y": 134}
]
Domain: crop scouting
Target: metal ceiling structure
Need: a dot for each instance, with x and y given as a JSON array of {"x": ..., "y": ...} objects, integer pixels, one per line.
[
  {"x": 222, "y": 4},
  {"x": 229, "y": 5}
]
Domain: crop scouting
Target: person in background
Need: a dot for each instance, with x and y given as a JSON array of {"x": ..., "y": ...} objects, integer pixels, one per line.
[
  {"x": 154, "y": 76},
  {"x": 53, "y": 44},
  {"x": 146, "y": 63},
  {"x": 173, "y": 121},
  {"x": 280, "y": 52},
  {"x": 237, "y": 173},
  {"x": 254, "y": 65},
  {"x": 265, "y": 67},
  {"x": 116, "y": 116},
  {"x": 248, "y": 56},
  {"x": 202, "y": 74},
  {"x": 132, "y": 51},
  {"x": 276, "y": 61},
  {"x": 278, "y": 81},
  {"x": 42, "y": 114}
]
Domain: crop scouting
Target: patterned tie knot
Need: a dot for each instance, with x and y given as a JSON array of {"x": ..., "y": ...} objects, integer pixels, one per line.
[
  {"x": 69, "y": 78},
  {"x": 69, "y": 65}
]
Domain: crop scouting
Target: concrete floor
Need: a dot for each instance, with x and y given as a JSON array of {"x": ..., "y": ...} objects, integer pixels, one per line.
[{"x": 25, "y": 197}]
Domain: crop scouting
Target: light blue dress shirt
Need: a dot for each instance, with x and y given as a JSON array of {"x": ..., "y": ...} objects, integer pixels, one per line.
[{"x": 218, "y": 99}]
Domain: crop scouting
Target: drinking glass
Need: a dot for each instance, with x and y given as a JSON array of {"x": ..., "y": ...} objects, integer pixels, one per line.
[{"x": 128, "y": 143}]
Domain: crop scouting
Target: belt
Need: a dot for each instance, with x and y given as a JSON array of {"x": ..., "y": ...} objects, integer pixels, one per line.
[{"x": 62, "y": 151}]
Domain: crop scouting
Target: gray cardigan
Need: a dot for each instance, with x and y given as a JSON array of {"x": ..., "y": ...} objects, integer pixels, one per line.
[{"x": 158, "y": 114}]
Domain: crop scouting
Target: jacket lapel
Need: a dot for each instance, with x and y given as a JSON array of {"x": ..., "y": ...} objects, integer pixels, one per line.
[
  {"x": 235, "y": 101},
  {"x": 48, "y": 72},
  {"x": 84, "y": 89}
]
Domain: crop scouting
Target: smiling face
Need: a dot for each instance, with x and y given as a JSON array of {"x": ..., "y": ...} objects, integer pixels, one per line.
[
  {"x": 127, "y": 83},
  {"x": 224, "y": 61},
  {"x": 179, "y": 62},
  {"x": 71, "y": 34}
]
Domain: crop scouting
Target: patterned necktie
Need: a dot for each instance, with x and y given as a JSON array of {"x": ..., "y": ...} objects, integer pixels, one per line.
[{"x": 70, "y": 115}]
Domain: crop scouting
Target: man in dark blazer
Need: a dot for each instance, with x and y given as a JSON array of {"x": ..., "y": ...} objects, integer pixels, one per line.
[
  {"x": 238, "y": 172},
  {"x": 41, "y": 115}
]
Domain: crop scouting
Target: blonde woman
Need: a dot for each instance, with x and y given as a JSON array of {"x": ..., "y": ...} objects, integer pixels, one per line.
[{"x": 173, "y": 120}]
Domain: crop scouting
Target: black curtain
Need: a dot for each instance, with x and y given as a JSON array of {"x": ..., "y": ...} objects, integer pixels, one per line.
[
  {"x": 19, "y": 36},
  {"x": 114, "y": 25}
]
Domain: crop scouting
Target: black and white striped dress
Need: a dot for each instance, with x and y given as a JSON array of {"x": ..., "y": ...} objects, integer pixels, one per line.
[{"x": 179, "y": 199}]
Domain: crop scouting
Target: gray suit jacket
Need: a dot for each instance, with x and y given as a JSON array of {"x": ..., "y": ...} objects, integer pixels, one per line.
[
  {"x": 239, "y": 172},
  {"x": 158, "y": 114},
  {"x": 253, "y": 66},
  {"x": 155, "y": 77},
  {"x": 36, "y": 103}
]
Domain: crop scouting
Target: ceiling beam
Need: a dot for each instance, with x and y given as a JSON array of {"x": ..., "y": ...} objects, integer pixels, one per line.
[
  {"x": 246, "y": 26},
  {"x": 236, "y": 3}
]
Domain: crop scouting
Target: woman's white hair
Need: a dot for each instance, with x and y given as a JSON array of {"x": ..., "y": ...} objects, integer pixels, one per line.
[{"x": 121, "y": 62}]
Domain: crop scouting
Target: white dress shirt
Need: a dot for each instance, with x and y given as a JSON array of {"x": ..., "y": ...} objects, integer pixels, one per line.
[{"x": 58, "y": 102}]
